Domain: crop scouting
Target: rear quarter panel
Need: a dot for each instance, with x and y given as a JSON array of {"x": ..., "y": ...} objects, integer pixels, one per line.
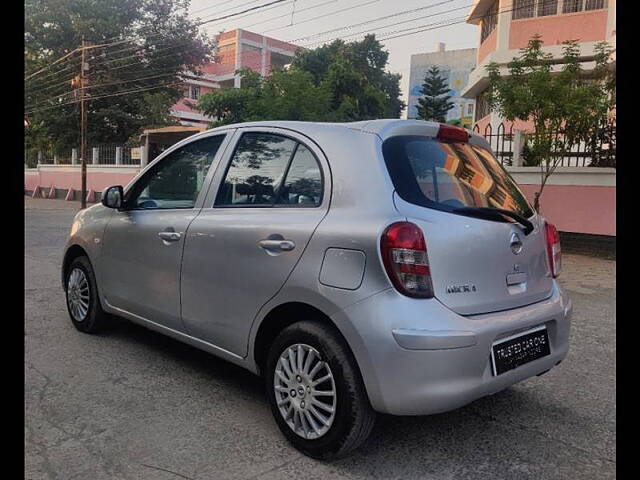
[{"x": 361, "y": 208}]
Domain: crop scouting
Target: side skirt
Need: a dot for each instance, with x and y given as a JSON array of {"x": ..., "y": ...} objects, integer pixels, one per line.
[{"x": 181, "y": 336}]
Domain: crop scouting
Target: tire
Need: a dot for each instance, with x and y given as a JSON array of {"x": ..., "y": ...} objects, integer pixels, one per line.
[
  {"x": 94, "y": 319},
  {"x": 352, "y": 419}
]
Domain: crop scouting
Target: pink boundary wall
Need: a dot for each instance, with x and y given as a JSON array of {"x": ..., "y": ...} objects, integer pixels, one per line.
[
  {"x": 64, "y": 180},
  {"x": 572, "y": 208},
  {"x": 577, "y": 208}
]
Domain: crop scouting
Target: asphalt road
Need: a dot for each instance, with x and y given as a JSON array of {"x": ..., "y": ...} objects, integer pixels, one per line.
[{"x": 132, "y": 404}]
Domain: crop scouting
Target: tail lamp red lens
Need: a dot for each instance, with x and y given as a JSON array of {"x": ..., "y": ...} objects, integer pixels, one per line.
[
  {"x": 404, "y": 254},
  {"x": 553, "y": 249}
]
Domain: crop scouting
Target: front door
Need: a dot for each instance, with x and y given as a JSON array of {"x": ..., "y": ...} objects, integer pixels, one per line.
[
  {"x": 240, "y": 250},
  {"x": 143, "y": 242}
]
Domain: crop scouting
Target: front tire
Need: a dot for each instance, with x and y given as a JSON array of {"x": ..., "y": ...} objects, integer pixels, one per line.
[
  {"x": 83, "y": 303},
  {"x": 316, "y": 393}
]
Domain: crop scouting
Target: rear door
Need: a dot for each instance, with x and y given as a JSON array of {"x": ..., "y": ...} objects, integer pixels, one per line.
[
  {"x": 478, "y": 264},
  {"x": 266, "y": 200}
]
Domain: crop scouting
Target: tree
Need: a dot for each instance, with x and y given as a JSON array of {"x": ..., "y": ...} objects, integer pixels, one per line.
[
  {"x": 434, "y": 103},
  {"x": 336, "y": 82},
  {"x": 160, "y": 41},
  {"x": 566, "y": 106},
  {"x": 282, "y": 96}
]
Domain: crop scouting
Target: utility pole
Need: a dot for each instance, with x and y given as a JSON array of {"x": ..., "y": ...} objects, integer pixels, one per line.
[{"x": 83, "y": 126}]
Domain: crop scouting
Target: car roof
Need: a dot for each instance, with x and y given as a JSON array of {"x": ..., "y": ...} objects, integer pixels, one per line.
[{"x": 383, "y": 128}]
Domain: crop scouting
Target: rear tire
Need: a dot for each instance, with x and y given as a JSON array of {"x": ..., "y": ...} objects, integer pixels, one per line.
[
  {"x": 83, "y": 303},
  {"x": 317, "y": 432}
]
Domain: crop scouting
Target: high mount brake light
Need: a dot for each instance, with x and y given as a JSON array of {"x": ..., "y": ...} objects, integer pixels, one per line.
[
  {"x": 404, "y": 254},
  {"x": 554, "y": 254},
  {"x": 450, "y": 133}
]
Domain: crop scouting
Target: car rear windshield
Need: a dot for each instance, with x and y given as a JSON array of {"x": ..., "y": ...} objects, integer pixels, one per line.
[{"x": 449, "y": 175}]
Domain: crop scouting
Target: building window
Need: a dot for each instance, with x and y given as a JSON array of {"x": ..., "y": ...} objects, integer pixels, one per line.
[
  {"x": 595, "y": 4},
  {"x": 489, "y": 22},
  {"x": 547, "y": 7},
  {"x": 482, "y": 107},
  {"x": 251, "y": 48},
  {"x": 226, "y": 48},
  {"x": 194, "y": 92},
  {"x": 572, "y": 6},
  {"x": 523, "y": 9},
  {"x": 469, "y": 109}
]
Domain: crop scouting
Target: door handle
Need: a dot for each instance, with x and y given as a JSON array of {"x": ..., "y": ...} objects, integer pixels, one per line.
[
  {"x": 169, "y": 236},
  {"x": 274, "y": 244}
]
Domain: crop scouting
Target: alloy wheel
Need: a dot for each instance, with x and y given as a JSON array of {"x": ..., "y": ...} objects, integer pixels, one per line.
[
  {"x": 78, "y": 294},
  {"x": 305, "y": 391}
]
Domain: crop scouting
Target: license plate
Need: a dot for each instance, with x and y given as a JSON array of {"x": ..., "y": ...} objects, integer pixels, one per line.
[{"x": 512, "y": 352}]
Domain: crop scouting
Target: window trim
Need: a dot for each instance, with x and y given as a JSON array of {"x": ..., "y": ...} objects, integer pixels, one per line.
[{"x": 267, "y": 131}]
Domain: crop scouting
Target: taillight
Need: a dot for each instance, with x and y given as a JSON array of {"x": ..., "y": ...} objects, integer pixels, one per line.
[
  {"x": 404, "y": 253},
  {"x": 553, "y": 249}
]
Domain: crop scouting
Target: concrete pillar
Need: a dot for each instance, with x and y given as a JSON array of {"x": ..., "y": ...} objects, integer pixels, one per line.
[
  {"x": 505, "y": 8},
  {"x": 55, "y": 159},
  {"x": 238, "y": 63},
  {"x": 96, "y": 156},
  {"x": 74, "y": 156},
  {"x": 144, "y": 158},
  {"x": 118, "y": 155},
  {"x": 611, "y": 22},
  {"x": 263, "y": 58},
  {"x": 39, "y": 157},
  {"x": 518, "y": 144}
]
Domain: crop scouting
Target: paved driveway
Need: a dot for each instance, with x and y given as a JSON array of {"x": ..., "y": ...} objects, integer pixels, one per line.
[{"x": 133, "y": 404}]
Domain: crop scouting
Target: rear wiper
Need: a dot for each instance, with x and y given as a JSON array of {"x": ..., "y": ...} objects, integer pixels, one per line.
[{"x": 492, "y": 212}]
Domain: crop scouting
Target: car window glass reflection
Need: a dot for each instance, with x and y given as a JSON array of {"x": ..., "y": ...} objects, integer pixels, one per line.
[
  {"x": 256, "y": 170},
  {"x": 177, "y": 180}
]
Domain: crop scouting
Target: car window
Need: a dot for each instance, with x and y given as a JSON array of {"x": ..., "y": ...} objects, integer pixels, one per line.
[
  {"x": 177, "y": 179},
  {"x": 303, "y": 183},
  {"x": 449, "y": 175},
  {"x": 256, "y": 174}
]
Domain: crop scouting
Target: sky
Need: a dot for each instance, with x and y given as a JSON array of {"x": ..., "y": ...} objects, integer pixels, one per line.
[{"x": 278, "y": 22}]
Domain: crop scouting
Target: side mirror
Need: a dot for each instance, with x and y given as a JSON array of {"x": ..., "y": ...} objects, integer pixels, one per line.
[{"x": 112, "y": 197}]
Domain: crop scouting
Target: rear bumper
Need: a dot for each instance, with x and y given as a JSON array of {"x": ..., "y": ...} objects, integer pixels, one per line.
[{"x": 418, "y": 357}]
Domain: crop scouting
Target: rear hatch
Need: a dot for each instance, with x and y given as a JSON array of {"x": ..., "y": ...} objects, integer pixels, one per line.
[{"x": 481, "y": 260}]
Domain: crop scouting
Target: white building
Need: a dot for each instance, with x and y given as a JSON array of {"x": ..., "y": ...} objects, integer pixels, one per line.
[{"x": 455, "y": 66}]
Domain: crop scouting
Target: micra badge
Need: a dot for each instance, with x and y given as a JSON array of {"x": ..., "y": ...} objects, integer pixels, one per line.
[{"x": 461, "y": 288}]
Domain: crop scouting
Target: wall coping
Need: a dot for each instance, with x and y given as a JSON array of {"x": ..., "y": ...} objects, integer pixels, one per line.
[
  {"x": 90, "y": 167},
  {"x": 587, "y": 176}
]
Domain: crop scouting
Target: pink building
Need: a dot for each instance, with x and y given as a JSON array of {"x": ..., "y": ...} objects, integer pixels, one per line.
[
  {"x": 505, "y": 26},
  {"x": 236, "y": 49},
  {"x": 576, "y": 199}
]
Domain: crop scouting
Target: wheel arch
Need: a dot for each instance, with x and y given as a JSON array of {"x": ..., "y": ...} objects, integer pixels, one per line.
[
  {"x": 279, "y": 318},
  {"x": 74, "y": 251}
]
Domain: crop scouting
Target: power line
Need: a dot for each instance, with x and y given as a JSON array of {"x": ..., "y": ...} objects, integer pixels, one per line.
[
  {"x": 405, "y": 12},
  {"x": 257, "y": 7},
  {"x": 323, "y": 16},
  {"x": 219, "y": 5},
  {"x": 287, "y": 14},
  {"x": 432, "y": 26},
  {"x": 107, "y": 96},
  {"x": 395, "y": 24}
]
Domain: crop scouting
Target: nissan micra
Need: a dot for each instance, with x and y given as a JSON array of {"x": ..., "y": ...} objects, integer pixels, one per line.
[{"x": 386, "y": 266}]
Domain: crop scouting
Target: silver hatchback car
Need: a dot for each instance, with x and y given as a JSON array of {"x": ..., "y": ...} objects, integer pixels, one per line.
[{"x": 384, "y": 266}]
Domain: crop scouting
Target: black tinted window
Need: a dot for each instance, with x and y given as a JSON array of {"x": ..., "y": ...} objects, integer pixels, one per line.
[
  {"x": 270, "y": 170},
  {"x": 303, "y": 184},
  {"x": 177, "y": 179},
  {"x": 447, "y": 175},
  {"x": 256, "y": 170}
]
